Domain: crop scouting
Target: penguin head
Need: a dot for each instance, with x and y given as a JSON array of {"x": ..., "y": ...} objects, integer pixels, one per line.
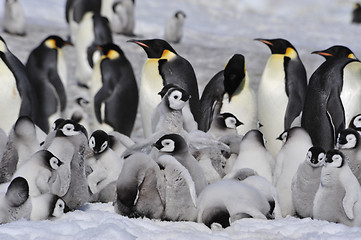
[
  {"x": 18, "y": 192},
  {"x": 111, "y": 51},
  {"x": 55, "y": 42},
  {"x": 336, "y": 51},
  {"x": 70, "y": 128},
  {"x": 335, "y": 158},
  {"x": 99, "y": 141},
  {"x": 348, "y": 139},
  {"x": 171, "y": 143},
  {"x": 316, "y": 156},
  {"x": 50, "y": 161},
  {"x": 154, "y": 48},
  {"x": 280, "y": 46},
  {"x": 355, "y": 122},
  {"x": 57, "y": 123},
  {"x": 175, "y": 97},
  {"x": 283, "y": 136},
  {"x": 228, "y": 120},
  {"x": 57, "y": 207},
  {"x": 234, "y": 74},
  {"x": 180, "y": 15}
]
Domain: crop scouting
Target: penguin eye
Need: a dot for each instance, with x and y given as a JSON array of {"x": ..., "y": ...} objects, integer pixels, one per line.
[
  {"x": 230, "y": 122},
  {"x": 321, "y": 157},
  {"x": 168, "y": 145},
  {"x": 82, "y": 102},
  {"x": 104, "y": 146},
  {"x": 176, "y": 95},
  {"x": 54, "y": 163},
  {"x": 69, "y": 130},
  {"x": 336, "y": 160},
  {"x": 350, "y": 137},
  {"x": 92, "y": 142}
]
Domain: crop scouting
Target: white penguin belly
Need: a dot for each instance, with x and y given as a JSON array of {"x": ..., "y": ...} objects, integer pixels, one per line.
[
  {"x": 272, "y": 102},
  {"x": 151, "y": 84},
  {"x": 10, "y": 101},
  {"x": 61, "y": 67}
]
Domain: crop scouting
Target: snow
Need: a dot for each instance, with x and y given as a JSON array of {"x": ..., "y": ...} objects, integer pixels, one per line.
[{"x": 213, "y": 32}]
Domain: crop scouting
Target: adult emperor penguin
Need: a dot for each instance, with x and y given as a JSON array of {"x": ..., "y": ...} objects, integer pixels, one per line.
[
  {"x": 123, "y": 17},
  {"x": 14, "y": 18},
  {"x": 175, "y": 145},
  {"x": 281, "y": 91},
  {"x": 140, "y": 188},
  {"x": 17, "y": 97},
  {"x": 355, "y": 123},
  {"x": 338, "y": 196},
  {"x": 114, "y": 91},
  {"x": 173, "y": 31},
  {"x": 22, "y": 143},
  {"x": 164, "y": 66},
  {"x": 15, "y": 204},
  {"x": 46, "y": 69},
  {"x": 291, "y": 155},
  {"x": 47, "y": 206},
  {"x": 323, "y": 115},
  {"x": 306, "y": 181},
  {"x": 351, "y": 84},
  {"x": 349, "y": 143},
  {"x": 356, "y": 13},
  {"x": 69, "y": 145}
]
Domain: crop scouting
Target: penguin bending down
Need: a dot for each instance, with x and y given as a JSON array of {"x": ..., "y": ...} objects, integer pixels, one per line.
[
  {"x": 281, "y": 92},
  {"x": 173, "y": 31},
  {"x": 46, "y": 69},
  {"x": 338, "y": 196},
  {"x": 15, "y": 204},
  {"x": 14, "y": 18},
  {"x": 162, "y": 67}
]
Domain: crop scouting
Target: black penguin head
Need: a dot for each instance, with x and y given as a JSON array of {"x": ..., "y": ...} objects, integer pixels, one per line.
[
  {"x": 70, "y": 128},
  {"x": 280, "y": 46},
  {"x": 99, "y": 141},
  {"x": 228, "y": 120},
  {"x": 55, "y": 42},
  {"x": 49, "y": 160},
  {"x": 335, "y": 158},
  {"x": 234, "y": 74},
  {"x": 57, "y": 123},
  {"x": 171, "y": 143},
  {"x": 111, "y": 51},
  {"x": 283, "y": 136},
  {"x": 174, "y": 96},
  {"x": 18, "y": 192},
  {"x": 316, "y": 156},
  {"x": 348, "y": 139},
  {"x": 355, "y": 122},
  {"x": 180, "y": 14},
  {"x": 154, "y": 48},
  {"x": 57, "y": 207},
  {"x": 336, "y": 51}
]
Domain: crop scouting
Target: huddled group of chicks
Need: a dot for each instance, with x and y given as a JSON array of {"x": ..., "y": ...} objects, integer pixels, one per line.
[{"x": 292, "y": 148}]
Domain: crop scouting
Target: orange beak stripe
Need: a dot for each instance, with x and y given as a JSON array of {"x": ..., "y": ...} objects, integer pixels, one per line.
[
  {"x": 142, "y": 44},
  {"x": 267, "y": 42}
]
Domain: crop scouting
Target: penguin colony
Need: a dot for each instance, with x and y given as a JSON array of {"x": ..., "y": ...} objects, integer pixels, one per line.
[{"x": 292, "y": 148}]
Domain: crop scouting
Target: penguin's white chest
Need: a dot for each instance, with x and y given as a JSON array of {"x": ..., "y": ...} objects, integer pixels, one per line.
[{"x": 10, "y": 100}]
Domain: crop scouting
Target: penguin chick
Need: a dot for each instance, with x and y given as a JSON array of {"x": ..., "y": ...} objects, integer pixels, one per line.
[
  {"x": 355, "y": 123},
  {"x": 174, "y": 27},
  {"x": 338, "y": 196},
  {"x": 306, "y": 181},
  {"x": 123, "y": 19},
  {"x": 14, "y": 18},
  {"x": 356, "y": 13},
  {"x": 47, "y": 206},
  {"x": 224, "y": 124},
  {"x": 105, "y": 165},
  {"x": 348, "y": 142},
  {"x": 15, "y": 203}
]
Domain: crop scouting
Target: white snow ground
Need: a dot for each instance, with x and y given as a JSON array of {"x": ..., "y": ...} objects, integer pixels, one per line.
[{"x": 214, "y": 31}]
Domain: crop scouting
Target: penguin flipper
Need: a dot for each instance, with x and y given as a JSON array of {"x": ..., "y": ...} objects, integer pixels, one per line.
[
  {"x": 99, "y": 98},
  {"x": 59, "y": 87},
  {"x": 337, "y": 113}
]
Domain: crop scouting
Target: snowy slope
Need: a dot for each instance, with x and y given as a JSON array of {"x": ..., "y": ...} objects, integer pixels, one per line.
[{"x": 214, "y": 31}]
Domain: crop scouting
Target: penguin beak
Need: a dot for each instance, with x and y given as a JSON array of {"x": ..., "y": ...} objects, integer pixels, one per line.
[
  {"x": 68, "y": 43},
  {"x": 138, "y": 42},
  {"x": 239, "y": 123},
  {"x": 157, "y": 145},
  {"x": 322, "y": 53},
  {"x": 264, "y": 41}
]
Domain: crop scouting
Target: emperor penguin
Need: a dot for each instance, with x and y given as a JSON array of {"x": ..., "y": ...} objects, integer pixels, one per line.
[
  {"x": 323, "y": 115},
  {"x": 254, "y": 155},
  {"x": 306, "y": 181},
  {"x": 22, "y": 143},
  {"x": 173, "y": 31},
  {"x": 162, "y": 67},
  {"x": 176, "y": 146},
  {"x": 17, "y": 97},
  {"x": 69, "y": 145},
  {"x": 123, "y": 17},
  {"x": 281, "y": 91},
  {"x": 291, "y": 155},
  {"x": 15, "y": 204},
  {"x": 47, "y": 207},
  {"x": 231, "y": 89},
  {"x": 349, "y": 143},
  {"x": 351, "y": 84},
  {"x": 356, "y": 13},
  {"x": 223, "y": 202},
  {"x": 338, "y": 196},
  {"x": 114, "y": 91},
  {"x": 355, "y": 123},
  {"x": 105, "y": 165},
  {"x": 140, "y": 188},
  {"x": 14, "y": 18},
  {"x": 46, "y": 69},
  {"x": 224, "y": 124}
]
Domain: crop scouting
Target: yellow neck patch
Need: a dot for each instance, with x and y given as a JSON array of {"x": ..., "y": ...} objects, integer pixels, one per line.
[
  {"x": 351, "y": 55},
  {"x": 112, "y": 54},
  {"x": 50, "y": 43},
  {"x": 167, "y": 55},
  {"x": 291, "y": 53}
]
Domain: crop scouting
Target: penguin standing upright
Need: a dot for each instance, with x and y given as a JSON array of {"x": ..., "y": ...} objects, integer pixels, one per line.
[
  {"x": 323, "y": 114},
  {"x": 14, "y": 18},
  {"x": 351, "y": 84},
  {"x": 46, "y": 69},
  {"x": 165, "y": 66},
  {"x": 356, "y": 13},
  {"x": 123, "y": 17},
  {"x": 173, "y": 31},
  {"x": 281, "y": 92},
  {"x": 115, "y": 94},
  {"x": 17, "y": 97}
]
